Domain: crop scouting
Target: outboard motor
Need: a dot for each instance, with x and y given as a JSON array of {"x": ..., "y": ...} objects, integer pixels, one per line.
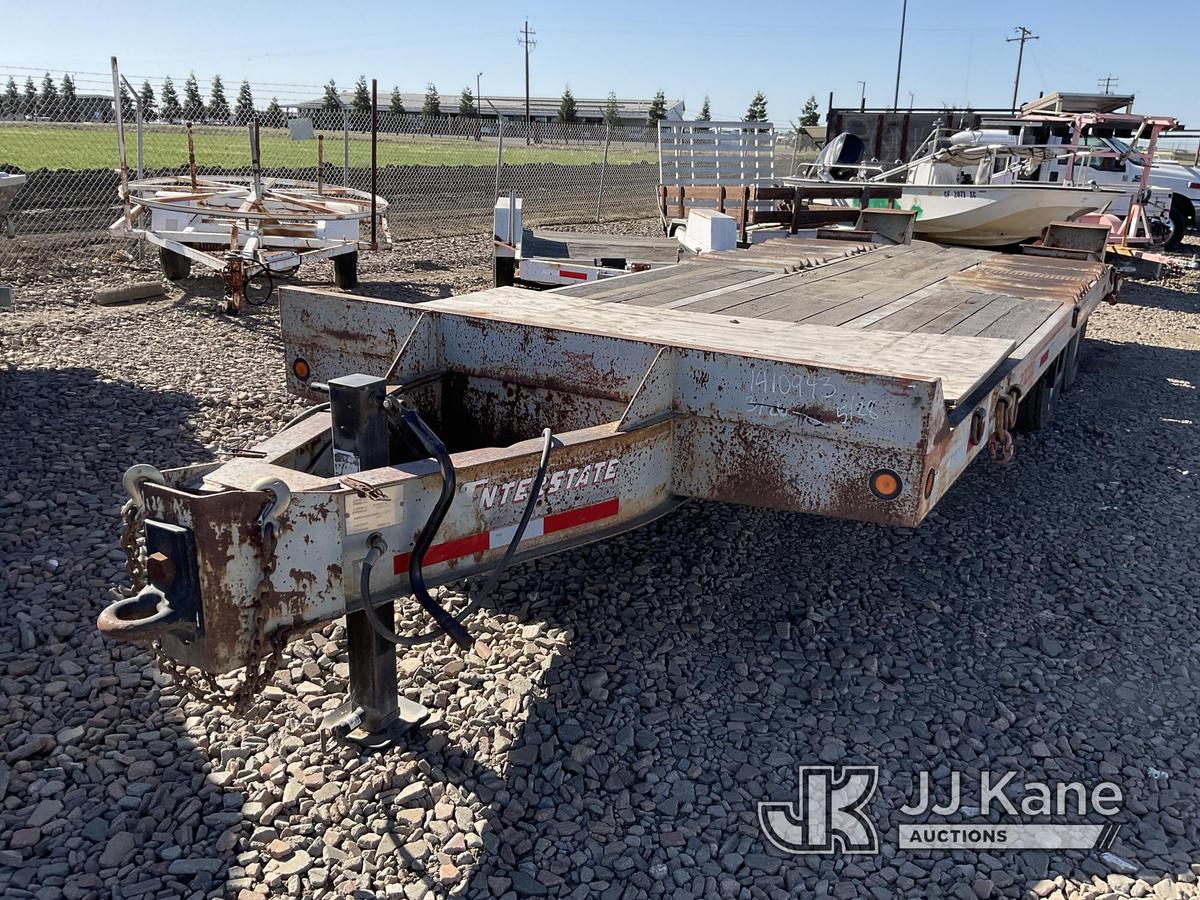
[{"x": 844, "y": 150}]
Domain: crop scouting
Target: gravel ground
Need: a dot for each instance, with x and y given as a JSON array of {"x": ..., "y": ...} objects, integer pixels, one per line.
[{"x": 627, "y": 704}]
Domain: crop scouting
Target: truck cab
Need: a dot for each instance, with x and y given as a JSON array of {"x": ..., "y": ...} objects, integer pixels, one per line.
[
  {"x": 1173, "y": 186},
  {"x": 1106, "y": 132}
]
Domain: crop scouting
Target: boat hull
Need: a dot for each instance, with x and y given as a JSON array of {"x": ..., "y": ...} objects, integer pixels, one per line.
[{"x": 994, "y": 215}]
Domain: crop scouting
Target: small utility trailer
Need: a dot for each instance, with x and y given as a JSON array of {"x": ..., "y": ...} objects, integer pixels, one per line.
[
  {"x": 545, "y": 258},
  {"x": 842, "y": 375},
  {"x": 10, "y": 185},
  {"x": 251, "y": 229}
]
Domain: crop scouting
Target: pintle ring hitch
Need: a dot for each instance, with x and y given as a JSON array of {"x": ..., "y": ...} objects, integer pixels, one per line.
[{"x": 167, "y": 601}]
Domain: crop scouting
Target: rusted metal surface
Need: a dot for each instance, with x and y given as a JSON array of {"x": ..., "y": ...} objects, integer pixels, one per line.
[
  {"x": 639, "y": 424},
  {"x": 1032, "y": 277}
]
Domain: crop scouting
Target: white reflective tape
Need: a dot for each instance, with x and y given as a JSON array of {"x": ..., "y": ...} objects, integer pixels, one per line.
[{"x": 499, "y": 538}]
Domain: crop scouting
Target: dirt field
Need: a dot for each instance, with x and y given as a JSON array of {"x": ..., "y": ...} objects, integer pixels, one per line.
[{"x": 628, "y": 703}]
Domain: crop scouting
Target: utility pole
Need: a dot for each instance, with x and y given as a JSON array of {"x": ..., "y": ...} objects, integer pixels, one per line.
[
  {"x": 478, "y": 96},
  {"x": 526, "y": 40},
  {"x": 1107, "y": 83},
  {"x": 862, "y": 100},
  {"x": 910, "y": 101},
  {"x": 1023, "y": 35},
  {"x": 900, "y": 57}
]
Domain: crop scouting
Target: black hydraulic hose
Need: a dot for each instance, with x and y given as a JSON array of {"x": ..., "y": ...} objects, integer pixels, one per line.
[
  {"x": 378, "y": 547},
  {"x": 305, "y": 414},
  {"x": 416, "y": 561},
  {"x": 534, "y": 490}
]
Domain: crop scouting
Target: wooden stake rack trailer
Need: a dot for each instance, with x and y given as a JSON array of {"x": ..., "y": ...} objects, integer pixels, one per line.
[{"x": 842, "y": 377}]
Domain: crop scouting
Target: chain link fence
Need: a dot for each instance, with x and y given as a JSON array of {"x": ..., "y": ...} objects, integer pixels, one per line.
[{"x": 440, "y": 175}]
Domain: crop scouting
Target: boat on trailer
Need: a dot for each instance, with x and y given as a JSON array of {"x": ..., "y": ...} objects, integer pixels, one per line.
[
  {"x": 971, "y": 194},
  {"x": 846, "y": 375}
]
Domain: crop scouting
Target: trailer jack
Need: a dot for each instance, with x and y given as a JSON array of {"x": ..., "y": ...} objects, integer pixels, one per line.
[{"x": 168, "y": 608}]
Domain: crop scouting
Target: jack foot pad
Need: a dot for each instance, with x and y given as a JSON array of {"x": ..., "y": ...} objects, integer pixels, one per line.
[{"x": 368, "y": 730}]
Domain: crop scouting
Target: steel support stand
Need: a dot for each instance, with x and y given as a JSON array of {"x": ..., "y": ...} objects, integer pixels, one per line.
[{"x": 374, "y": 716}]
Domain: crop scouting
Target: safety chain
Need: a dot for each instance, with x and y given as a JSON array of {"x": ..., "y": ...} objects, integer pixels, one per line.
[
  {"x": 257, "y": 674},
  {"x": 135, "y": 563},
  {"x": 1000, "y": 447}
]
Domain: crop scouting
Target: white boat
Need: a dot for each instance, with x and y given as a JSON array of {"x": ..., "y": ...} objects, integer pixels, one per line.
[
  {"x": 10, "y": 186},
  {"x": 975, "y": 195}
]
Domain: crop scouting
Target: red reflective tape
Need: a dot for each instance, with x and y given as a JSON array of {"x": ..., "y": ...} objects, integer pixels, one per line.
[
  {"x": 563, "y": 273},
  {"x": 1045, "y": 356},
  {"x": 438, "y": 553},
  {"x": 581, "y": 516},
  {"x": 479, "y": 543}
]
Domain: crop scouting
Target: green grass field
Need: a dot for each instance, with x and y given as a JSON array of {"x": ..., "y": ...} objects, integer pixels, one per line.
[{"x": 36, "y": 146}]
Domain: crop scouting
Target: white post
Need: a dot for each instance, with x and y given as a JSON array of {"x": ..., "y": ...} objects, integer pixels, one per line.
[
  {"x": 137, "y": 108},
  {"x": 121, "y": 155}
]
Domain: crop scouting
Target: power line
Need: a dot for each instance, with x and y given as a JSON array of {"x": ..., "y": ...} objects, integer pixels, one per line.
[
  {"x": 1107, "y": 83},
  {"x": 1023, "y": 35}
]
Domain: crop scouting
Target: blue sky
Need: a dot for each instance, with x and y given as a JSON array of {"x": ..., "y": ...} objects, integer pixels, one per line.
[{"x": 955, "y": 52}]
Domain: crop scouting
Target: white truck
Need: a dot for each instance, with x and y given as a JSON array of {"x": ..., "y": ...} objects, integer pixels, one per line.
[
  {"x": 1106, "y": 126},
  {"x": 1182, "y": 181}
]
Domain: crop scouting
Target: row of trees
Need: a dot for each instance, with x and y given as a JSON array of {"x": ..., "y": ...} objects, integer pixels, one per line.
[
  {"x": 757, "y": 110},
  {"x": 60, "y": 102},
  {"x": 192, "y": 107},
  {"x": 52, "y": 101}
]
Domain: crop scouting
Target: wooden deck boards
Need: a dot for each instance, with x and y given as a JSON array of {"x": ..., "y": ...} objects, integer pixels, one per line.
[
  {"x": 960, "y": 363},
  {"x": 917, "y": 310}
]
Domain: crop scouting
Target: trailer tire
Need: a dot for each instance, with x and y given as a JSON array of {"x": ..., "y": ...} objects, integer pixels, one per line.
[
  {"x": 504, "y": 271},
  {"x": 1036, "y": 408},
  {"x": 175, "y": 266},
  {"x": 1074, "y": 349},
  {"x": 345, "y": 270}
]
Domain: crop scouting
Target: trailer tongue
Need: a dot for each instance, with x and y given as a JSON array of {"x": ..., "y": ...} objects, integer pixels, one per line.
[{"x": 838, "y": 377}]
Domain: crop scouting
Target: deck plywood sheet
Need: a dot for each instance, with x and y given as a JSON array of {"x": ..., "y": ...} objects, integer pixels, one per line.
[
  {"x": 960, "y": 363},
  {"x": 730, "y": 301}
]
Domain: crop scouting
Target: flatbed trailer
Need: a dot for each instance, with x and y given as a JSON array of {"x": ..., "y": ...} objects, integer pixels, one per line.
[
  {"x": 842, "y": 377},
  {"x": 546, "y": 258}
]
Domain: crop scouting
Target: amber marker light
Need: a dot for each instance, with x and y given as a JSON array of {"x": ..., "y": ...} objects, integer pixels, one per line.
[
  {"x": 886, "y": 484},
  {"x": 300, "y": 369}
]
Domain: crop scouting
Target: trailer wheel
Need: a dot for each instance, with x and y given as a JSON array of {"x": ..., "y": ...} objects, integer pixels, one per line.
[
  {"x": 1071, "y": 367},
  {"x": 175, "y": 266},
  {"x": 1036, "y": 408},
  {"x": 504, "y": 271},
  {"x": 345, "y": 270}
]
